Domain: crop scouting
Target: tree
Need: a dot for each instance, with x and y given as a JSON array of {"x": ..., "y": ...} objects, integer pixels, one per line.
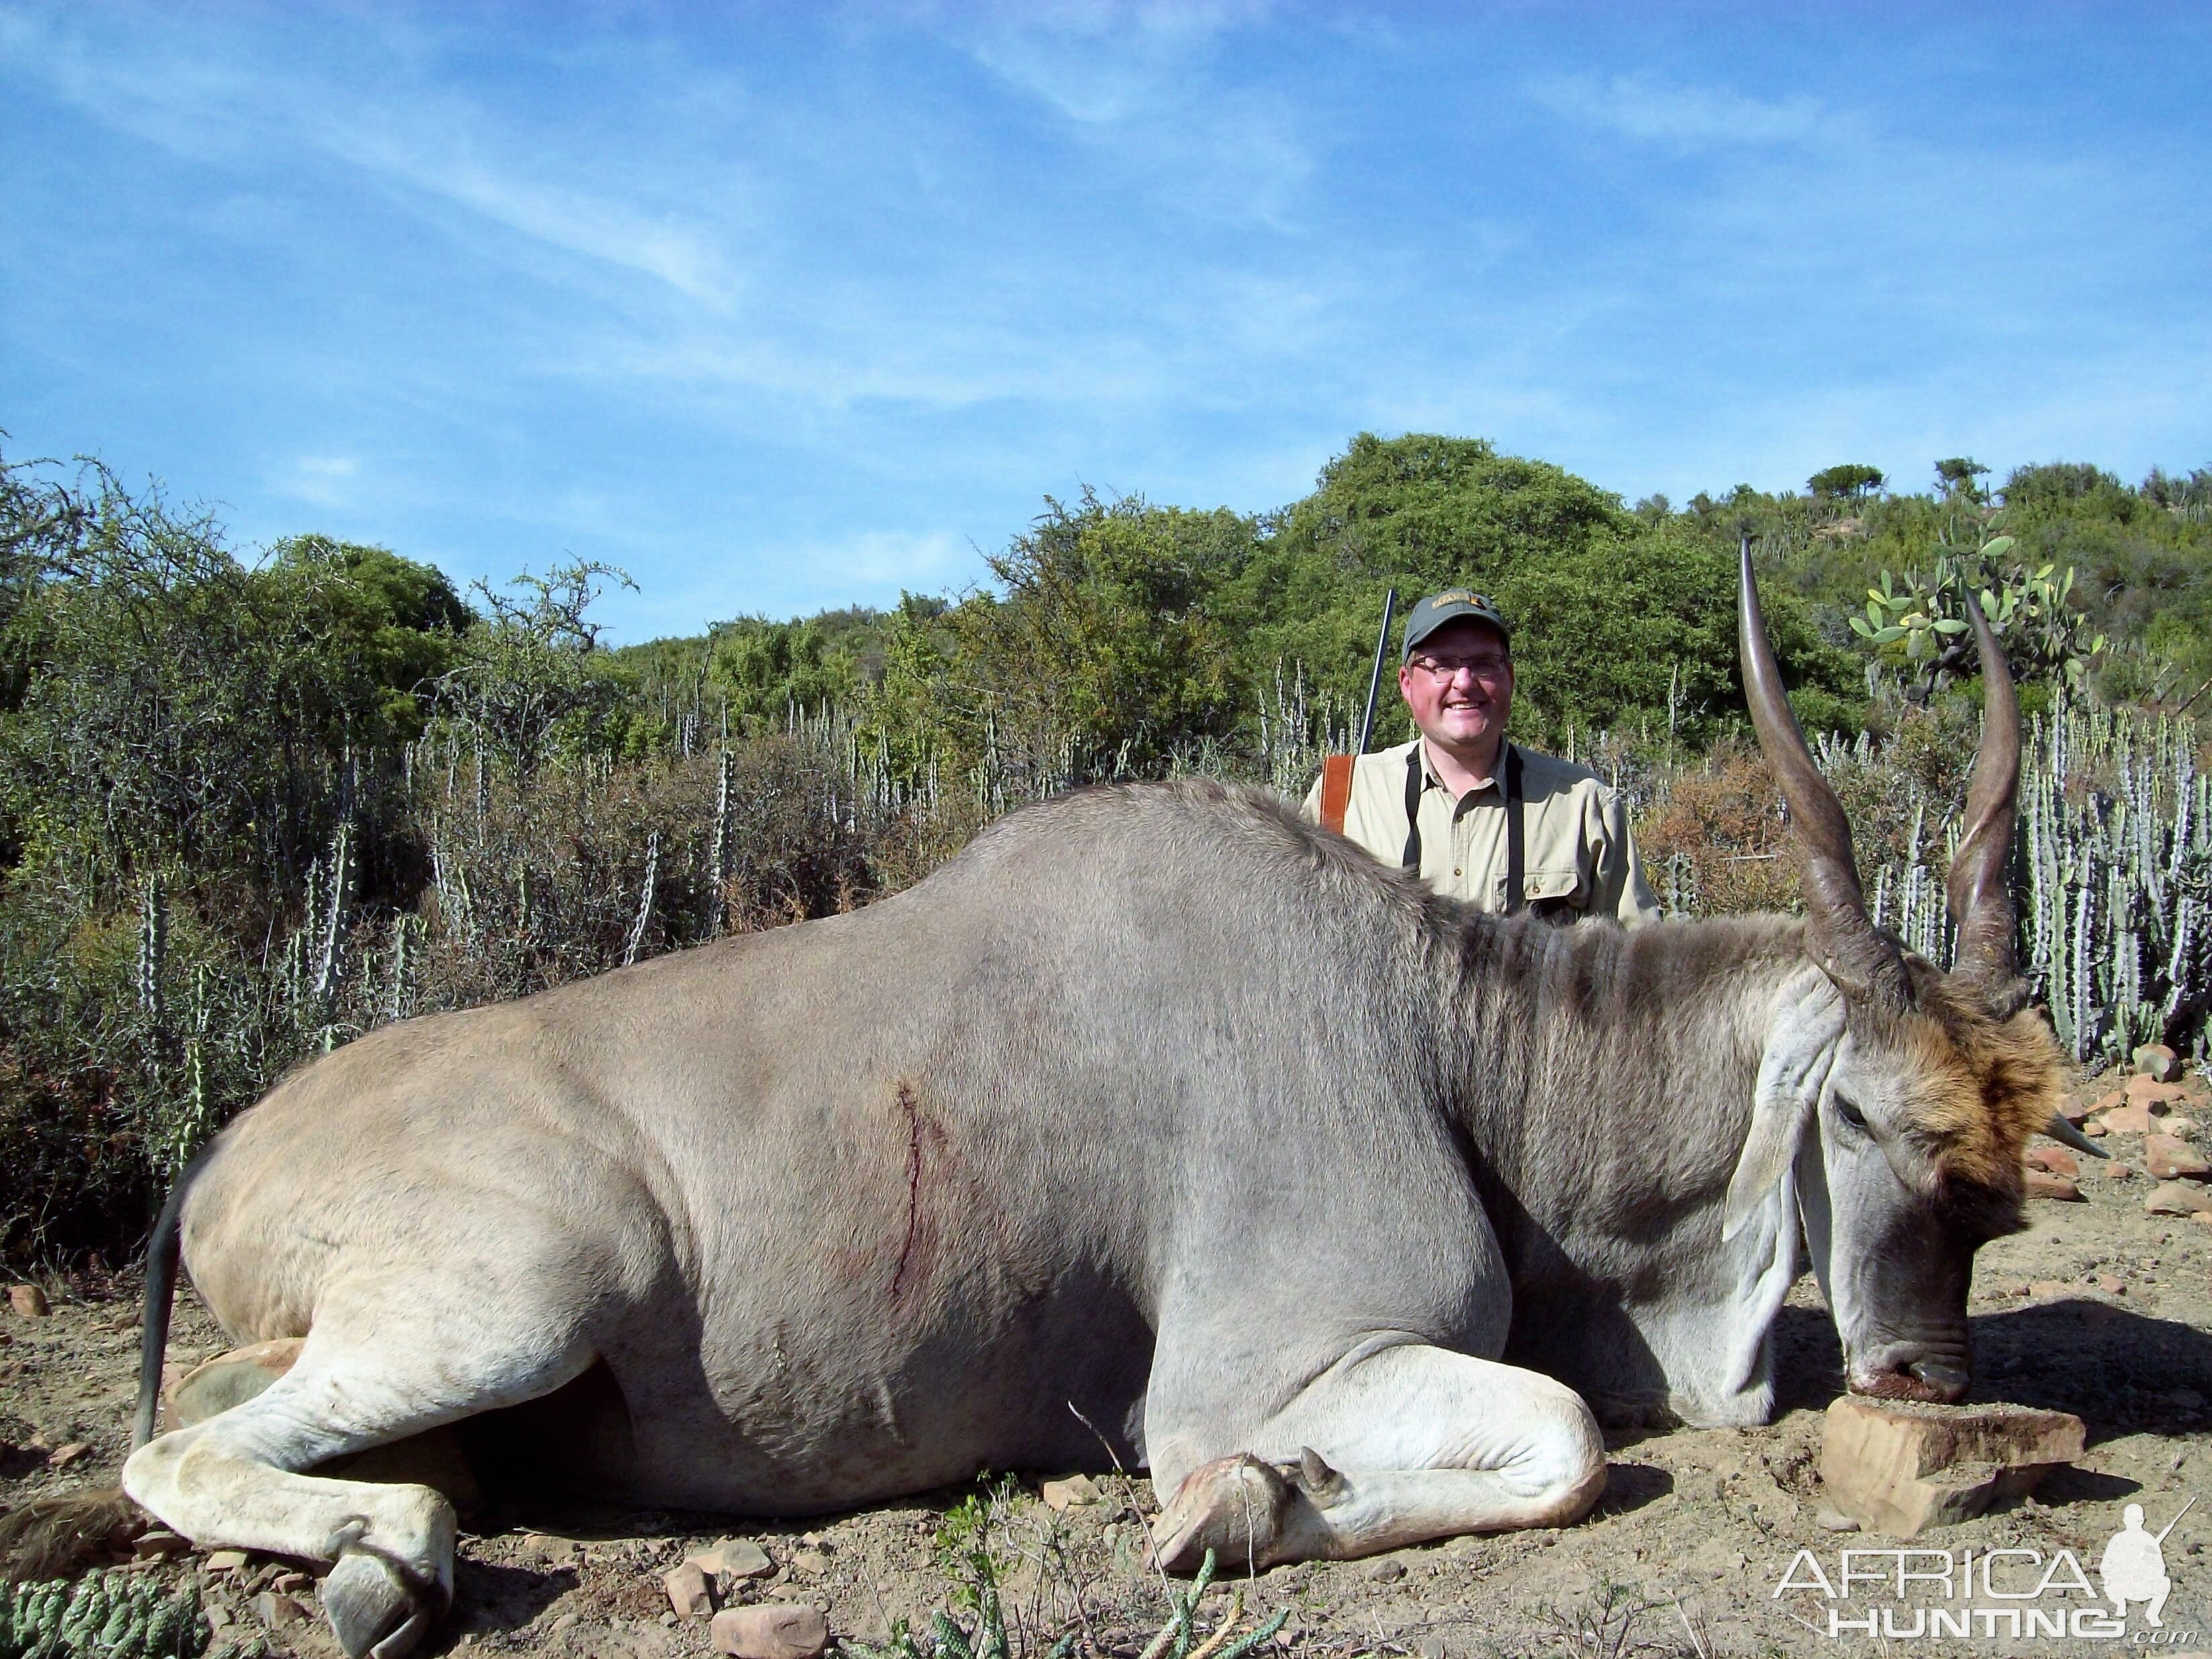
[
  {"x": 1641, "y": 631},
  {"x": 181, "y": 708},
  {"x": 1417, "y": 512},
  {"x": 1956, "y": 476},
  {"x": 1851, "y": 481},
  {"x": 1107, "y": 648},
  {"x": 529, "y": 678}
]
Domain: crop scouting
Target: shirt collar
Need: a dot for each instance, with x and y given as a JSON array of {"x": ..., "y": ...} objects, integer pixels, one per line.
[{"x": 1490, "y": 786}]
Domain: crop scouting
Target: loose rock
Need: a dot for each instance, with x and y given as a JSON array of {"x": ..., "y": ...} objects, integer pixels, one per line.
[
  {"x": 2046, "y": 1290},
  {"x": 2119, "y": 1172},
  {"x": 688, "y": 1591},
  {"x": 772, "y": 1630},
  {"x": 2041, "y": 1183},
  {"x": 278, "y": 1611},
  {"x": 2143, "y": 1091},
  {"x": 1836, "y": 1521},
  {"x": 2134, "y": 1119},
  {"x": 226, "y": 1560},
  {"x": 1387, "y": 1571},
  {"x": 1074, "y": 1492},
  {"x": 2170, "y": 1159},
  {"x": 2158, "y": 1062},
  {"x": 29, "y": 1301},
  {"x": 812, "y": 1563},
  {"x": 2056, "y": 1159},
  {"x": 733, "y": 1557},
  {"x": 2095, "y": 1129},
  {"x": 2179, "y": 1198},
  {"x": 1898, "y": 1467},
  {"x": 63, "y": 1456}
]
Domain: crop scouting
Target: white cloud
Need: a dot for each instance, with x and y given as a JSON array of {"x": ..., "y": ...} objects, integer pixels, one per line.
[
  {"x": 222, "y": 99},
  {"x": 1141, "y": 87},
  {"x": 439, "y": 154},
  {"x": 325, "y": 481},
  {"x": 1691, "y": 117}
]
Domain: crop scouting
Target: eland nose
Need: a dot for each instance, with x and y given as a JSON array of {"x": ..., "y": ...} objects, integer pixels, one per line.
[
  {"x": 1936, "y": 1380},
  {"x": 1949, "y": 1382}
]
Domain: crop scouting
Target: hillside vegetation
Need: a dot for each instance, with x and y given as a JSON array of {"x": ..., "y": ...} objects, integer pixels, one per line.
[{"x": 254, "y": 805}]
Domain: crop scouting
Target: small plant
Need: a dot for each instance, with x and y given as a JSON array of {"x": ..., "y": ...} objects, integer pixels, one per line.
[
  {"x": 967, "y": 1557},
  {"x": 1603, "y": 1625}
]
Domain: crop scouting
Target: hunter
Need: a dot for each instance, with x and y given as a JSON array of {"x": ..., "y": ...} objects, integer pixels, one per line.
[{"x": 1476, "y": 816}]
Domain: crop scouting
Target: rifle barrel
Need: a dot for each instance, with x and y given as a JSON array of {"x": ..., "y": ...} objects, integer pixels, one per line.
[{"x": 1375, "y": 679}]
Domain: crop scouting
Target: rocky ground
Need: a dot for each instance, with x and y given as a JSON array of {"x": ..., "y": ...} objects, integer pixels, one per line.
[{"x": 2102, "y": 1307}]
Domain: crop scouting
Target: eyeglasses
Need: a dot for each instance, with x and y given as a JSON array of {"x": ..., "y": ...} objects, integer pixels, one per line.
[{"x": 1447, "y": 668}]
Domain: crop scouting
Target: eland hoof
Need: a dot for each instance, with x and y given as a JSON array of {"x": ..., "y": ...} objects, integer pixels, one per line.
[
  {"x": 1248, "y": 1513},
  {"x": 375, "y": 1612}
]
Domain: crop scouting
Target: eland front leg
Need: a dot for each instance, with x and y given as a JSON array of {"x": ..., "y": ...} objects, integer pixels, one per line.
[{"x": 1396, "y": 1447}]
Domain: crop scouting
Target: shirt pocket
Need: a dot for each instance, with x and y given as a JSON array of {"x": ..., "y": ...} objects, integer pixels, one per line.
[{"x": 1556, "y": 891}]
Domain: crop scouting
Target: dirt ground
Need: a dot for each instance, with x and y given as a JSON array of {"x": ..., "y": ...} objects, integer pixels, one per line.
[{"x": 2100, "y": 1309}]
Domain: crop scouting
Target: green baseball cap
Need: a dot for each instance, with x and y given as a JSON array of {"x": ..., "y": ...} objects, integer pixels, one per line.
[{"x": 1453, "y": 605}]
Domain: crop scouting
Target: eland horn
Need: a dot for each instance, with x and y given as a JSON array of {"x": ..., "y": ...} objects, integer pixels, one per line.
[
  {"x": 1839, "y": 932},
  {"x": 1979, "y": 886}
]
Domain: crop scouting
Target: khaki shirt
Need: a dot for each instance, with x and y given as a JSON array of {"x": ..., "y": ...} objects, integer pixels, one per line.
[{"x": 1580, "y": 855}]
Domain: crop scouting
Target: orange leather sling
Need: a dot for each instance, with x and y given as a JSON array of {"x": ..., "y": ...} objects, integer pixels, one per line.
[{"x": 1335, "y": 791}]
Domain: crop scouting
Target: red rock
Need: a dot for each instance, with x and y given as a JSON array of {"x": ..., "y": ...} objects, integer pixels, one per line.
[
  {"x": 2157, "y": 1061},
  {"x": 1899, "y": 1468},
  {"x": 732, "y": 1558},
  {"x": 2057, "y": 1160},
  {"x": 2046, "y": 1290},
  {"x": 772, "y": 1630},
  {"x": 2178, "y": 1197},
  {"x": 2095, "y": 1129},
  {"x": 688, "y": 1592},
  {"x": 2041, "y": 1183},
  {"x": 2119, "y": 1172},
  {"x": 28, "y": 1300},
  {"x": 2170, "y": 1159},
  {"x": 2204, "y": 1216},
  {"x": 278, "y": 1611},
  {"x": 2110, "y": 1286},
  {"x": 2143, "y": 1091},
  {"x": 2134, "y": 1119},
  {"x": 1076, "y": 1491}
]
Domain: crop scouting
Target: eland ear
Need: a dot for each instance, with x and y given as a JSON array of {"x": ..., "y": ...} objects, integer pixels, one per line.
[
  {"x": 1777, "y": 1128},
  {"x": 1802, "y": 1030}
]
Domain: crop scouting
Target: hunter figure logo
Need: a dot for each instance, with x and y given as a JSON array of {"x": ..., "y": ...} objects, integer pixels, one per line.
[
  {"x": 1905, "y": 1594},
  {"x": 2133, "y": 1566}
]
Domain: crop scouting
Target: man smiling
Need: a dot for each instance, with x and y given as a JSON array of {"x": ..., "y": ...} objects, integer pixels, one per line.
[{"x": 1479, "y": 817}]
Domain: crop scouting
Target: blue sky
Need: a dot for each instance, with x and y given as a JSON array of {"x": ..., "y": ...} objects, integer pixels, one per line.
[{"x": 791, "y": 306}]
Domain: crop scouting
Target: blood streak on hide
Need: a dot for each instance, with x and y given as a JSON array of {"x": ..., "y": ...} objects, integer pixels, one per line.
[{"x": 912, "y": 1113}]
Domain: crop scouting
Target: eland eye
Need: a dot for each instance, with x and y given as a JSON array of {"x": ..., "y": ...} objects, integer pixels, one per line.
[{"x": 1849, "y": 1111}]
